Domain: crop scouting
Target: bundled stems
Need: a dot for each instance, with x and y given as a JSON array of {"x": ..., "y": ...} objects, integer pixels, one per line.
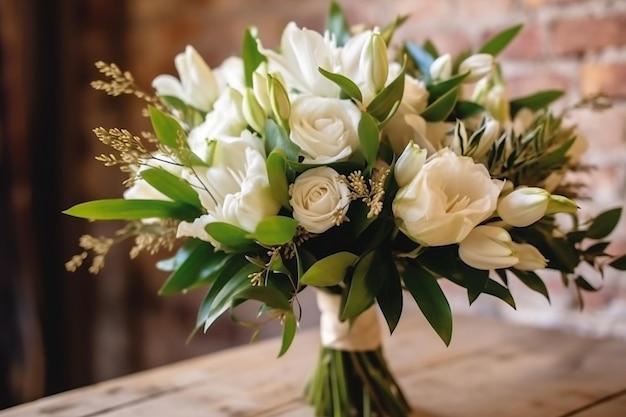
[{"x": 355, "y": 384}]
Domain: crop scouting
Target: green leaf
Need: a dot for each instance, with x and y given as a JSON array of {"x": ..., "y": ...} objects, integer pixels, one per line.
[
  {"x": 430, "y": 299},
  {"x": 190, "y": 115},
  {"x": 189, "y": 159},
  {"x": 202, "y": 266},
  {"x": 389, "y": 295},
  {"x": 349, "y": 88},
  {"x": 122, "y": 209},
  {"x": 430, "y": 47},
  {"x": 167, "y": 129},
  {"x": 276, "y": 138},
  {"x": 597, "y": 249},
  {"x": 496, "y": 44},
  {"x": 289, "y": 332},
  {"x": 250, "y": 55},
  {"x": 229, "y": 235},
  {"x": 275, "y": 230},
  {"x": 536, "y": 101},
  {"x": 172, "y": 186},
  {"x": 440, "y": 88},
  {"x": 389, "y": 30},
  {"x": 532, "y": 281},
  {"x": 328, "y": 271},
  {"x": 369, "y": 137},
  {"x": 499, "y": 291},
  {"x": 619, "y": 263},
  {"x": 170, "y": 264},
  {"x": 584, "y": 285},
  {"x": 221, "y": 294},
  {"x": 384, "y": 104},
  {"x": 466, "y": 109},
  {"x": 364, "y": 285},
  {"x": 277, "y": 176},
  {"x": 421, "y": 58},
  {"x": 604, "y": 224},
  {"x": 270, "y": 296},
  {"x": 439, "y": 110},
  {"x": 337, "y": 25}
]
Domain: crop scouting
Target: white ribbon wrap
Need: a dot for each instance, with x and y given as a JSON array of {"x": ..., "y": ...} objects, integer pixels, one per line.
[{"x": 362, "y": 334}]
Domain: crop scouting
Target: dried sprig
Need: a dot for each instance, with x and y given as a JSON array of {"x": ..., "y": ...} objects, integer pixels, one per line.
[
  {"x": 149, "y": 237},
  {"x": 122, "y": 82},
  {"x": 371, "y": 193}
]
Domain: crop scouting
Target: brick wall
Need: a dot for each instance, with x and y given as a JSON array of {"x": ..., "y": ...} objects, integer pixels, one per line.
[{"x": 575, "y": 45}]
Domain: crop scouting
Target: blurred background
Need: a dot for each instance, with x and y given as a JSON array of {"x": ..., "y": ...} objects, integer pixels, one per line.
[{"x": 60, "y": 330}]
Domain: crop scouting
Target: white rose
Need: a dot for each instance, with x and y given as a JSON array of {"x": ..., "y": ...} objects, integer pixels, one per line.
[
  {"x": 447, "y": 198},
  {"x": 234, "y": 189},
  {"x": 197, "y": 85},
  {"x": 302, "y": 53},
  {"x": 325, "y": 129},
  {"x": 319, "y": 199}
]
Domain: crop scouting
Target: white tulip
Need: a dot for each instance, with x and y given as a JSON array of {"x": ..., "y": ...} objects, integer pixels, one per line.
[
  {"x": 447, "y": 198},
  {"x": 488, "y": 247},
  {"x": 197, "y": 85},
  {"x": 441, "y": 68},
  {"x": 319, "y": 199},
  {"x": 524, "y": 206},
  {"x": 409, "y": 163},
  {"x": 253, "y": 112},
  {"x": 530, "y": 259},
  {"x": 279, "y": 99},
  {"x": 325, "y": 129},
  {"x": 478, "y": 66}
]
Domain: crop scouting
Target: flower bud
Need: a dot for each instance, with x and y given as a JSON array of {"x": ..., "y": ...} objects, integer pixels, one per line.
[
  {"x": 252, "y": 111},
  {"x": 561, "y": 204},
  {"x": 497, "y": 103},
  {"x": 409, "y": 163},
  {"x": 441, "y": 68},
  {"x": 478, "y": 65},
  {"x": 260, "y": 87},
  {"x": 279, "y": 100},
  {"x": 524, "y": 206},
  {"x": 489, "y": 134},
  {"x": 374, "y": 62},
  {"x": 529, "y": 256},
  {"x": 488, "y": 247}
]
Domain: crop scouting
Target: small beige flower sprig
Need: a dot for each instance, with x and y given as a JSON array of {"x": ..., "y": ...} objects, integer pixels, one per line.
[
  {"x": 371, "y": 192},
  {"x": 122, "y": 82}
]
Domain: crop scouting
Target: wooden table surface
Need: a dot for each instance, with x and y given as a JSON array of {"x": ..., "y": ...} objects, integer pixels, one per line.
[{"x": 490, "y": 369}]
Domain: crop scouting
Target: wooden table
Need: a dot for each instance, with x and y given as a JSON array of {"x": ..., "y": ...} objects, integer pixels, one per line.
[{"x": 490, "y": 369}]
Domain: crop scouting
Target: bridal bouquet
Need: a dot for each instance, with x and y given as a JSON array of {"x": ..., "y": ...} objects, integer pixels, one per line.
[{"x": 357, "y": 166}]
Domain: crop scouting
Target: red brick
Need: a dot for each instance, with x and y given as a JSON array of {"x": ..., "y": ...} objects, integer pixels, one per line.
[
  {"x": 577, "y": 36},
  {"x": 604, "y": 78},
  {"x": 540, "y": 80},
  {"x": 603, "y": 129},
  {"x": 484, "y": 8},
  {"x": 527, "y": 44},
  {"x": 535, "y": 4}
]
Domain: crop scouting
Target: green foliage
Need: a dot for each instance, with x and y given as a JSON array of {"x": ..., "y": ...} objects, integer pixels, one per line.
[
  {"x": 329, "y": 271},
  {"x": 122, "y": 209},
  {"x": 420, "y": 58},
  {"x": 604, "y": 224},
  {"x": 386, "y": 102},
  {"x": 363, "y": 285},
  {"x": 277, "y": 138},
  {"x": 167, "y": 128},
  {"x": 275, "y": 230},
  {"x": 337, "y": 25},
  {"x": 441, "y": 108},
  {"x": 250, "y": 55},
  {"x": 535, "y": 101},
  {"x": 171, "y": 186},
  {"x": 230, "y": 236},
  {"x": 500, "y": 41},
  {"x": 277, "y": 176},
  {"x": 369, "y": 137},
  {"x": 348, "y": 87}
]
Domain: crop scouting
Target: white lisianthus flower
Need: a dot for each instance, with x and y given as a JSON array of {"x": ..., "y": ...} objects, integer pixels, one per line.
[
  {"x": 302, "y": 53},
  {"x": 488, "y": 247},
  {"x": 197, "y": 85},
  {"x": 409, "y": 164},
  {"x": 141, "y": 190},
  {"x": 325, "y": 129},
  {"x": 230, "y": 74},
  {"x": 441, "y": 68},
  {"x": 524, "y": 206},
  {"x": 319, "y": 199},
  {"x": 234, "y": 189},
  {"x": 447, "y": 198},
  {"x": 478, "y": 66},
  {"x": 530, "y": 259},
  {"x": 226, "y": 119}
]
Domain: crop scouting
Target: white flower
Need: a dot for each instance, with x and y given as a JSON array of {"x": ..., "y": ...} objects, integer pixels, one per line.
[
  {"x": 325, "y": 129},
  {"x": 230, "y": 74},
  {"x": 234, "y": 189},
  {"x": 226, "y": 119},
  {"x": 141, "y": 190},
  {"x": 441, "y": 68},
  {"x": 478, "y": 66},
  {"x": 488, "y": 247},
  {"x": 409, "y": 163},
  {"x": 488, "y": 136},
  {"x": 530, "y": 259},
  {"x": 497, "y": 103},
  {"x": 319, "y": 199},
  {"x": 448, "y": 197},
  {"x": 524, "y": 206},
  {"x": 374, "y": 62},
  {"x": 302, "y": 53},
  {"x": 197, "y": 85}
]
